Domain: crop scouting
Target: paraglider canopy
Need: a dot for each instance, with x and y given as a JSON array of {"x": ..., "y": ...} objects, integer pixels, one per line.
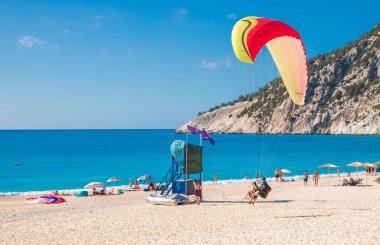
[{"x": 285, "y": 45}]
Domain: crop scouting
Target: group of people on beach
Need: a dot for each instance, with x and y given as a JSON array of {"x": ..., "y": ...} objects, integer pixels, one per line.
[
  {"x": 315, "y": 177},
  {"x": 278, "y": 174}
]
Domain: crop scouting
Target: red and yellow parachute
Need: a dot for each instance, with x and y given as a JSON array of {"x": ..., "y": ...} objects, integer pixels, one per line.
[{"x": 249, "y": 36}]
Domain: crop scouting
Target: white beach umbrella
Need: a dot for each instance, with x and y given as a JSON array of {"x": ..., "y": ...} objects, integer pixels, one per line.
[
  {"x": 376, "y": 163},
  {"x": 114, "y": 179},
  {"x": 357, "y": 165},
  {"x": 94, "y": 185},
  {"x": 285, "y": 171},
  {"x": 328, "y": 165},
  {"x": 145, "y": 178}
]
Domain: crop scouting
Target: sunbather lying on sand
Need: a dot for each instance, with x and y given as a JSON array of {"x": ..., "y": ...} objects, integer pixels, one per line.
[{"x": 349, "y": 181}]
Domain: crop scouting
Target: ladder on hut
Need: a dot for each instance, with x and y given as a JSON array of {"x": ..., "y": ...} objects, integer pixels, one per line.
[{"x": 174, "y": 173}]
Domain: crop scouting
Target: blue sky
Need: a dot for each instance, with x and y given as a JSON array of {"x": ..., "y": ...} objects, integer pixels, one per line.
[{"x": 142, "y": 64}]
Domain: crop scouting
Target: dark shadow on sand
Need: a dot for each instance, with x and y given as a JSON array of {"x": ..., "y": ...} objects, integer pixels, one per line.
[
  {"x": 242, "y": 201},
  {"x": 279, "y": 201}
]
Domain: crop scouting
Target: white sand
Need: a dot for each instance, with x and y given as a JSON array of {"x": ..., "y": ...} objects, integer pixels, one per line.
[{"x": 292, "y": 214}]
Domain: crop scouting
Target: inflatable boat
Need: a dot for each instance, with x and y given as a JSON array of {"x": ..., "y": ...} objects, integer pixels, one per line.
[{"x": 169, "y": 200}]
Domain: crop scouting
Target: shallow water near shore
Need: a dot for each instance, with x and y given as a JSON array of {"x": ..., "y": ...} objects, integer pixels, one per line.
[{"x": 69, "y": 159}]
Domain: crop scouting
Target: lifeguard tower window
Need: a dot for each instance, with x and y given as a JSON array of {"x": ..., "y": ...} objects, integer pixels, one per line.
[{"x": 193, "y": 159}]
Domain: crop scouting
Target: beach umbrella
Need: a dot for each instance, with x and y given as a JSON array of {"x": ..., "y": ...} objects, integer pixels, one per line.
[
  {"x": 94, "y": 185},
  {"x": 176, "y": 148},
  {"x": 285, "y": 171},
  {"x": 357, "y": 165},
  {"x": 114, "y": 179},
  {"x": 328, "y": 165},
  {"x": 376, "y": 163},
  {"x": 145, "y": 178},
  {"x": 368, "y": 165}
]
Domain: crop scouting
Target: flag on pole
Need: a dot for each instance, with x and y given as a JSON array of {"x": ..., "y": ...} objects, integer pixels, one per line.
[
  {"x": 194, "y": 129},
  {"x": 205, "y": 135}
]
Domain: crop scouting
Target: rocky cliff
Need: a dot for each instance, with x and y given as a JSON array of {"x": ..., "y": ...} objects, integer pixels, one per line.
[{"x": 343, "y": 97}]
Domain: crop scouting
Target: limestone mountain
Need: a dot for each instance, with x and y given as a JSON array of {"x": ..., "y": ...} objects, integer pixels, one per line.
[{"x": 343, "y": 97}]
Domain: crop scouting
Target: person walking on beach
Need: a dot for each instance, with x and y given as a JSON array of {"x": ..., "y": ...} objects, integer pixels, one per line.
[
  {"x": 257, "y": 175},
  {"x": 316, "y": 177},
  {"x": 277, "y": 174},
  {"x": 305, "y": 177},
  {"x": 280, "y": 173},
  {"x": 130, "y": 183},
  {"x": 198, "y": 191},
  {"x": 215, "y": 179}
]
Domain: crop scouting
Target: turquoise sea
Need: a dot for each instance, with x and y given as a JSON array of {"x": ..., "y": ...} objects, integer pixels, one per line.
[{"x": 69, "y": 159}]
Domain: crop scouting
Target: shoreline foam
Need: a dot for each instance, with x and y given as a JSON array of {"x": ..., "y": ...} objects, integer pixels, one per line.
[{"x": 208, "y": 182}]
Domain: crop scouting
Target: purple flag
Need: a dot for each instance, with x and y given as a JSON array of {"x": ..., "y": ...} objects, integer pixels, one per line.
[
  {"x": 194, "y": 129},
  {"x": 205, "y": 135}
]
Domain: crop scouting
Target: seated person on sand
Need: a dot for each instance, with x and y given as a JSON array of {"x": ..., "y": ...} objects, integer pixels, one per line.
[
  {"x": 152, "y": 186},
  {"x": 250, "y": 192},
  {"x": 348, "y": 182},
  {"x": 262, "y": 191}
]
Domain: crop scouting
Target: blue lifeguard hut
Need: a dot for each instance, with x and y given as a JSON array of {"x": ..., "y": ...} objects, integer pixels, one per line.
[{"x": 186, "y": 166}]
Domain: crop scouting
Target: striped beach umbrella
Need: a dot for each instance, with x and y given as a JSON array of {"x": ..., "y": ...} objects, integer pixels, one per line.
[{"x": 176, "y": 148}]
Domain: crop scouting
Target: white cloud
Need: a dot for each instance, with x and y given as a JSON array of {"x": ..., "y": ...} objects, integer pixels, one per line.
[
  {"x": 206, "y": 64},
  {"x": 180, "y": 14},
  {"x": 231, "y": 16},
  {"x": 212, "y": 64},
  {"x": 29, "y": 41}
]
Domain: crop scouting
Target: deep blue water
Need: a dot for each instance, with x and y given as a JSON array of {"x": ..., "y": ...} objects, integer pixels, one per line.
[{"x": 69, "y": 159}]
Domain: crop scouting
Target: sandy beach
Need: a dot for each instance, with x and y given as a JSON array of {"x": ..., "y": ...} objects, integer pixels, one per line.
[{"x": 292, "y": 214}]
